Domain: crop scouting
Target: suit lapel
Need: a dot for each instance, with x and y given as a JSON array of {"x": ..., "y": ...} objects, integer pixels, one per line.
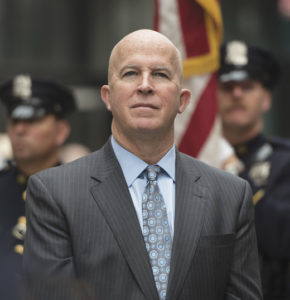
[
  {"x": 113, "y": 198},
  {"x": 189, "y": 215}
]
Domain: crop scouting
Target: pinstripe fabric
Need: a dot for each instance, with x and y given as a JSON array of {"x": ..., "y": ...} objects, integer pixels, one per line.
[{"x": 84, "y": 240}]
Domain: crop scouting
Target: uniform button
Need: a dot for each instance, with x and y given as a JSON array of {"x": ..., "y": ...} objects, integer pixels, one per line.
[
  {"x": 19, "y": 249},
  {"x": 19, "y": 229},
  {"x": 21, "y": 179},
  {"x": 24, "y": 195}
]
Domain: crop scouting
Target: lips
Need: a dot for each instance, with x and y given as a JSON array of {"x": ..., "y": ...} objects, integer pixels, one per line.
[
  {"x": 144, "y": 105},
  {"x": 235, "y": 108}
]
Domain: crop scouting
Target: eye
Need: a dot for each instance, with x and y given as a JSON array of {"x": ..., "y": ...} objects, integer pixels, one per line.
[
  {"x": 227, "y": 87},
  {"x": 161, "y": 74},
  {"x": 247, "y": 86},
  {"x": 129, "y": 73}
]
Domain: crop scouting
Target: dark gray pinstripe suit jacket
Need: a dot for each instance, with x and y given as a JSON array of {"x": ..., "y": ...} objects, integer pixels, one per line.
[{"x": 84, "y": 241}]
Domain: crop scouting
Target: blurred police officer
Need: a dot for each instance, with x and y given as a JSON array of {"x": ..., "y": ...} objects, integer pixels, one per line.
[
  {"x": 37, "y": 128},
  {"x": 246, "y": 78}
]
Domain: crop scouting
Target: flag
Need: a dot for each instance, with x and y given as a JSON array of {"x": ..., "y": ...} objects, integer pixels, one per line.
[{"x": 195, "y": 27}]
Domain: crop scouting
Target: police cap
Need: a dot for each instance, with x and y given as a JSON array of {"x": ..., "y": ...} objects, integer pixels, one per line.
[
  {"x": 29, "y": 98},
  {"x": 240, "y": 62}
]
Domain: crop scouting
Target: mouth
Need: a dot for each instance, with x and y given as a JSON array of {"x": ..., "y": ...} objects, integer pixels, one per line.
[
  {"x": 144, "y": 106},
  {"x": 235, "y": 108}
]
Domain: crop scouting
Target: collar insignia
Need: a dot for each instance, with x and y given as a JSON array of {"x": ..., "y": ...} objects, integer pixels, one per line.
[{"x": 259, "y": 173}]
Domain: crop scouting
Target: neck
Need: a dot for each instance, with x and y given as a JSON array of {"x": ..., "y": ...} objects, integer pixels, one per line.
[
  {"x": 148, "y": 147},
  {"x": 237, "y": 136},
  {"x": 30, "y": 167}
]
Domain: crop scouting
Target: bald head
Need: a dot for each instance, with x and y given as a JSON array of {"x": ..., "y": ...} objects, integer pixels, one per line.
[
  {"x": 145, "y": 93},
  {"x": 148, "y": 41}
]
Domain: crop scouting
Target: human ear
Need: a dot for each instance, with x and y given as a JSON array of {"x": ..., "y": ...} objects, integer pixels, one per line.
[
  {"x": 267, "y": 101},
  {"x": 105, "y": 94},
  {"x": 63, "y": 131},
  {"x": 184, "y": 100}
]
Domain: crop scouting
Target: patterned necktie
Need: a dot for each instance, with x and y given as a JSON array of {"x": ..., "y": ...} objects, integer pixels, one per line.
[{"x": 156, "y": 231}]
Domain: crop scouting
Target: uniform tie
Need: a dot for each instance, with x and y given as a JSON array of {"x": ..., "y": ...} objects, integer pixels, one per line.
[{"x": 156, "y": 231}]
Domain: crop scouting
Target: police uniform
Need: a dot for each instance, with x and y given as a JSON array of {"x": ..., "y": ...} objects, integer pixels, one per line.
[
  {"x": 24, "y": 98},
  {"x": 266, "y": 164}
]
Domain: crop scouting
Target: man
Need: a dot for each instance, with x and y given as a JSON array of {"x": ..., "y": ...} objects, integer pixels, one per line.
[
  {"x": 106, "y": 227},
  {"x": 247, "y": 76},
  {"x": 37, "y": 128}
]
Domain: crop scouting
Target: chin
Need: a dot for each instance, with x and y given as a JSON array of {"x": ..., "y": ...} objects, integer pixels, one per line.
[
  {"x": 146, "y": 126},
  {"x": 235, "y": 122},
  {"x": 145, "y": 130}
]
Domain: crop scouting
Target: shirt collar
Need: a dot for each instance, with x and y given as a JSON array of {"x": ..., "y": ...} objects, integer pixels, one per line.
[{"x": 127, "y": 159}]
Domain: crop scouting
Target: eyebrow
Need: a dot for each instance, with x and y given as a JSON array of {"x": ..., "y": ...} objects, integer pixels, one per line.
[
  {"x": 163, "y": 69},
  {"x": 135, "y": 67},
  {"x": 128, "y": 67}
]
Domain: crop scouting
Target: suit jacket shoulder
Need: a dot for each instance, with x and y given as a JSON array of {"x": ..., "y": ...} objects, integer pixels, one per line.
[
  {"x": 208, "y": 176},
  {"x": 81, "y": 173}
]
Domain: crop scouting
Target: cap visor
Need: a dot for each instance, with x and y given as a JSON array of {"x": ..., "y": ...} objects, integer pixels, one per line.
[
  {"x": 25, "y": 112},
  {"x": 240, "y": 75}
]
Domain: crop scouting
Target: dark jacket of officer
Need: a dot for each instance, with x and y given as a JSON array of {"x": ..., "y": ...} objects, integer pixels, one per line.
[
  {"x": 267, "y": 168},
  {"x": 25, "y": 98}
]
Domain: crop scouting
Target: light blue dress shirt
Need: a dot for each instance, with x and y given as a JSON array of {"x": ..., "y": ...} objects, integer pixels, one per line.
[{"x": 133, "y": 167}]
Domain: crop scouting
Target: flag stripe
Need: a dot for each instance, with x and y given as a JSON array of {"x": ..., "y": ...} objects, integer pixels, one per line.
[
  {"x": 195, "y": 27},
  {"x": 192, "y": 16},
  {"x": 169, "y": 23},
  {"x": 201, "y": 122},
  {"x": 156, "y": 18},
  {"x": 208, "y": 61},
  {"x": 196, "y": 84}
]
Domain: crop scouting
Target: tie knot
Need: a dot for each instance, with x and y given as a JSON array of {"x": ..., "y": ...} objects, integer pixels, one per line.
[{"x": 152, "y": 172}]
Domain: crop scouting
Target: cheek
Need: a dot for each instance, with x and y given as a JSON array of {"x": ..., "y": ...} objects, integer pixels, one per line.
[
  {"x": 116, "y": 107},
  {"x": 222, "y": 107},
  {"x": 224, "y": 103},
  {"x": 119, "y": 103},
  {"x": 44, "y": 136},
  {"x": 255, "y": 110},
  {"x": 10, "y": 133},
  {"x": 169, "y": 96},
  {"x": 220, "y": 99}
]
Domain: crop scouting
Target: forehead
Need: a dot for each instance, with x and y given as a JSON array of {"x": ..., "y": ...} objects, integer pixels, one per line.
[{"x": 145, "y": 52}]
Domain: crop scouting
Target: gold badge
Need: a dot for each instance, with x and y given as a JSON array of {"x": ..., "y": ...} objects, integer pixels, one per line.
[
  {"x": 21, "y": 179},
  {"x": 24, "y": 195},
  {"x": 259, "y": 173},
  {"x": 19, "y": 249},
  {"x": 19, "y": 229}
]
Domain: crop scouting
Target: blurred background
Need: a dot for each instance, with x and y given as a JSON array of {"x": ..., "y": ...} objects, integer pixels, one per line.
[{"x": 70, "y": 41}]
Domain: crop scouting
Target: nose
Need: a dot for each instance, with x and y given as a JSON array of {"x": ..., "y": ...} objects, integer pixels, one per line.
[
  {"x": 145, "y": 85},
  {"x": 237, "y": 91}
]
